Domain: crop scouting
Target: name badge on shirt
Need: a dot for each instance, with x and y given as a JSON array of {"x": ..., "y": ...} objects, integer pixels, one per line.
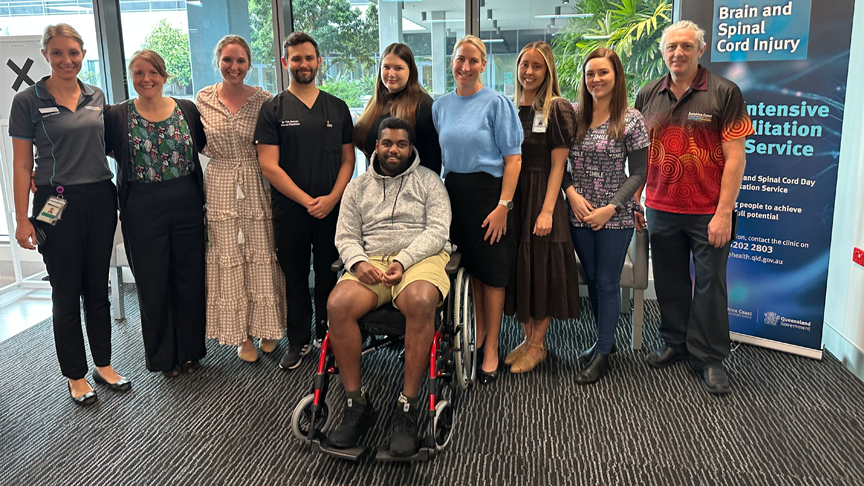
[{"x": 538, "y": 126}]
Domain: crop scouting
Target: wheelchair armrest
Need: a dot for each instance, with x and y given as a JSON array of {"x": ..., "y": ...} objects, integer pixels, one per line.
[
  {"x": 337, "y": 266},
  {"x": 453, "y": 264}
]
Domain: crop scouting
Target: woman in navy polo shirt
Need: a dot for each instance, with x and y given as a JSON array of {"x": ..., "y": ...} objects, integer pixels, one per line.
[{"x": 62, "y": 118}]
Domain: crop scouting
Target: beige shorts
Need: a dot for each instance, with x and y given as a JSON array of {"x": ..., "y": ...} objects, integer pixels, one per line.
[{"x": 431, "y": 270}]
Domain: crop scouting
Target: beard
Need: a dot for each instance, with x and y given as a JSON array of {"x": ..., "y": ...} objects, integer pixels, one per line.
[
  {"x": 303, "y": 78},
  {"x": 394, "y": 168}
]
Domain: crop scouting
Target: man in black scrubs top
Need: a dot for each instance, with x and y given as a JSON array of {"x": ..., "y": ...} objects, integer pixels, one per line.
[{"x": 304, "y": 148}]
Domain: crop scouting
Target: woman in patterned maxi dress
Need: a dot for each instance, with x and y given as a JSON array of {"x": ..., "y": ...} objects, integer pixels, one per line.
[{"x": 245, "y": 287}]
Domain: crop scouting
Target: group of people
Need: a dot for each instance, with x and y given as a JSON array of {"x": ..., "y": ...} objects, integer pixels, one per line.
[{"x": 504, "y": 163}]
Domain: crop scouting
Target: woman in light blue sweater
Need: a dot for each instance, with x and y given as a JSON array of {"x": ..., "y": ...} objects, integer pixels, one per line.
[{"x": 481, "y": 146}]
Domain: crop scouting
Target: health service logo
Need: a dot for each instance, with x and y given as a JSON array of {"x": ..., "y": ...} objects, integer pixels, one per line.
[{"x": 771, "y": 318}]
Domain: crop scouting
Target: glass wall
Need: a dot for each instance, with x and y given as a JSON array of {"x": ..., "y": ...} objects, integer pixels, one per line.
[
  {"x": 351, "y": 35},
  {"x": 184, "y": 33},
  {"x": 506, "y": 29}
]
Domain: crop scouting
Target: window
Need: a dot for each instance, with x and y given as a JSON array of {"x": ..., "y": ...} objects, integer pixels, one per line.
[
  {"x": 185, "y": 33},
  {"x": 352, "y": 34}
]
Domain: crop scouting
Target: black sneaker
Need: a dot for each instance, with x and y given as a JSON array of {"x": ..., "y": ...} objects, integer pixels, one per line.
[
  {"x": 292, "y": 358},
  {"x": 356, "y": 420},
  {"x": 404, "y": 430}
]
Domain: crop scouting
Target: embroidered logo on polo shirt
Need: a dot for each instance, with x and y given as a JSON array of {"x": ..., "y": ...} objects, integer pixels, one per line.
[
  {"x": 93, "y": 108},
  {"x": 701, "y": 117},
  {"x": 290, "y": 123}
]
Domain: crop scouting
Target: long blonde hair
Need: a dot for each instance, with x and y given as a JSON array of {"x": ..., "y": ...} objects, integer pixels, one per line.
[{"x": 549, "y": 90}]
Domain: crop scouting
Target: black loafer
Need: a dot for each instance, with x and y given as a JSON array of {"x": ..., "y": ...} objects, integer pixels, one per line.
[
  {"x": 120, "y": 386},
  {"x": 88, "y": 398},
  {"x": 586, "y": 356},
  {"x": 190, "y": 366},
  {"x": 595, "y": 369},
  {"x": 715, "y": 380},
  {"x": 663, "y": 357}
]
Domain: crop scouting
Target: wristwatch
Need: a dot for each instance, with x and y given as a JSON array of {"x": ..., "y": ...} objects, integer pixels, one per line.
[{"x": 507, "y": 203}]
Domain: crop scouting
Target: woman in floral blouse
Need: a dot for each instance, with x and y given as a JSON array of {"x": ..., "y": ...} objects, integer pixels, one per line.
[
  {"x": 601, "y": 196},
  {"x": 155, "y": 140}
]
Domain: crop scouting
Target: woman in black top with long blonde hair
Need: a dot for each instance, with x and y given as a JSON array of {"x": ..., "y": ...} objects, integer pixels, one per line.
[{"x": 398, "y": 93}]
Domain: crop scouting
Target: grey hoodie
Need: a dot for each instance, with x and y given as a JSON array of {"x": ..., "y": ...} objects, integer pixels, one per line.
[{"x": 407, "y": 215}]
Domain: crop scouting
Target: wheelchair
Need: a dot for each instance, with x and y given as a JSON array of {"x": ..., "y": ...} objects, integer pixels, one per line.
[{"x": 452, "y": 357}]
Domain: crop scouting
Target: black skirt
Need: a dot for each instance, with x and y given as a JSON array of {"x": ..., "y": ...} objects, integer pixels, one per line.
[{"x": 472, "y": 197}]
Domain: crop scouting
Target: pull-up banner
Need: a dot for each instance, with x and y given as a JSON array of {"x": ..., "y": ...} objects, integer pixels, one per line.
[{"x": 790, "y": 58}]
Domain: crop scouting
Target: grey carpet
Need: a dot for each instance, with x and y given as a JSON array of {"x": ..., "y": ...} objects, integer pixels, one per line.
[{"x": 790, "y": 420}]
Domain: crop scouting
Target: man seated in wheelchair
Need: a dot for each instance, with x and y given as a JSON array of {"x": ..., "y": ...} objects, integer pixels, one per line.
[{"x": 392, "y": 235}]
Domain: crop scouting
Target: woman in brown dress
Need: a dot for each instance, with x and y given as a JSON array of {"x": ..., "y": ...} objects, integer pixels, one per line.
[
  {"x": 545, "y": 284},
  {"x": 245, "y": 286}
]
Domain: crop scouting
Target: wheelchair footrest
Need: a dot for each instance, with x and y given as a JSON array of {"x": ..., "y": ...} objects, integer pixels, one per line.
[
  {"x": 422, "y": 455},
  {"x": 349, "y": 454}
]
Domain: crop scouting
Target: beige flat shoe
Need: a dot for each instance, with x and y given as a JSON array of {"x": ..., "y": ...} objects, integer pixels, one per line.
[
  {"x": 517, "y": 352},
  {"x": 267, "y": 346},
  {"x": 248, "y": 355},
  {"x": 528, "y": 361}
]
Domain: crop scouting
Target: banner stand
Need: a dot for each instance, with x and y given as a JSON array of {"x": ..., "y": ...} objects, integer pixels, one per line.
[{"x": 776, "y": 345}]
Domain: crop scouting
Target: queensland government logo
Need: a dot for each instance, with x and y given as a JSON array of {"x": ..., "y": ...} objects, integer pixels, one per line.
[{"x": 771, "y": 318}]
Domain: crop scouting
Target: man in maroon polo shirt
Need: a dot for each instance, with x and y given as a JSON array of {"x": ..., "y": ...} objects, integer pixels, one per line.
[{"x": 697, "y": 122}]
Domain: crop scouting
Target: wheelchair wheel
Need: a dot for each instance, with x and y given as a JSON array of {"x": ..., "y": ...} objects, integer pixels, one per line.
[
  {"x": 466, "y": 323},
  {"x": 301, "y": 418},
  {"x": 442, "y": 426}
]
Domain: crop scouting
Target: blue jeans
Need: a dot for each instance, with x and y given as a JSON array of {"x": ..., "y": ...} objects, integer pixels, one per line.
[{"x": 602, "y": 256}]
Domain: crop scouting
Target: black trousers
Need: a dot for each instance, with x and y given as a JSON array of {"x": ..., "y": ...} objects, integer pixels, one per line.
[
  {"x": 693, "y": 320},
  {"x": 294, "y": 232},
  {"x": 163, "y": 227},
  {"x": 77, "y": 255}
]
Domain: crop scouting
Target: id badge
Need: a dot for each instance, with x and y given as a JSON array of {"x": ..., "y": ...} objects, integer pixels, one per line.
[
  {"x": 538, "y": 126},
  {"x": 52, "y": 210}
]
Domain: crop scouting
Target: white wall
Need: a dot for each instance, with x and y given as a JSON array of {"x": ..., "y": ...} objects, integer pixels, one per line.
[{"x": 843, "y": 335}]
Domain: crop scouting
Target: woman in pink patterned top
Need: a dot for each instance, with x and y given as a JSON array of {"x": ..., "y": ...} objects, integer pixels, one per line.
[
  {"x": 245, "y": 287},
  {"x": 601, "y": 195}
]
